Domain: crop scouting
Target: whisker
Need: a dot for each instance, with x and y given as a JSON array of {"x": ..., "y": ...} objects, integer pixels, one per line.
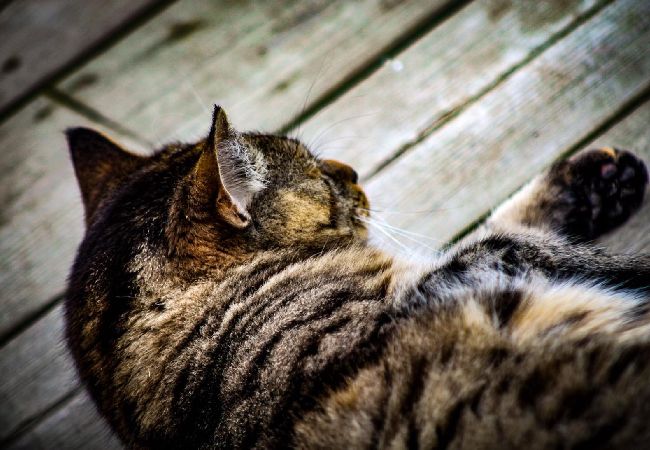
[
  {"x": 382, "y": 221},
  {"x": 326, "y": 147},
  {"x": 412, "y": 233},
  {"x": 197, "y": 96},
  {"x": 411, "y": 236},
  {"x": 322, "y": 131},
  {"x": 398, "y": 212},
  {"x": 385, "y": 233},
  {"x": 304, "y": 103},
  {"x": 418, "y": 242}
]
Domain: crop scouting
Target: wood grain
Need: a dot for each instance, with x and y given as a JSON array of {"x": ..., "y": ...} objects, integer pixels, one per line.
[
  {"x": 41, "y": 219},
  {"x": 262, "y": 61},
  {"x": 40, "y": 38},
  {"x": 632, "y": 134},
  {"x": 77, "y": 425},
  {"x": 438, "y": 76},
  {"x": 464, "y": 169},
  {"x": 37, "y": 373}
]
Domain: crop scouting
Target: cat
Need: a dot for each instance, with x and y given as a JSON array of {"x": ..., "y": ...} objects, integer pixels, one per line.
[{"x": 225, "y": 295}]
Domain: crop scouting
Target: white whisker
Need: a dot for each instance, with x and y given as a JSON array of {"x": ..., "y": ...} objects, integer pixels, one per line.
[
  {"x": 321, "y": 70},
  {"x": 414, "y": 212},
  {"x": 197, "y": 96},
  {"x": 379, "y": 228},
  {"x": 313, "y": 142},
  {"x": 407, "y": 232},
  {"x": 411, "y": 236},
  {"x": 413, "y": 239}
]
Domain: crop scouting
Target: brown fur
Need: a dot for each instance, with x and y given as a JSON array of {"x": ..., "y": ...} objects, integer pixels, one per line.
[{"x": 225, "y": 295}]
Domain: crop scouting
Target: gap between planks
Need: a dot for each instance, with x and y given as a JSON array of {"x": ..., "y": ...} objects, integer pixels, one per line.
[
  {"x": 252, "y": 69},
  {"x": 86, "y": 52},
  {"x": 449, "y": 114},
  {"x": 603, "y": 128},
  {"x": 364, "y": 70}
]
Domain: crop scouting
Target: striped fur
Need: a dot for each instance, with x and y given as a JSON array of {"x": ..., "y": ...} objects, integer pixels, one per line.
[{"x": 201, "y": 320}]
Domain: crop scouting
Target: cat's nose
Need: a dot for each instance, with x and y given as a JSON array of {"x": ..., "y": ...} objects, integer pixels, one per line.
[{"x": 340, "y": 170}]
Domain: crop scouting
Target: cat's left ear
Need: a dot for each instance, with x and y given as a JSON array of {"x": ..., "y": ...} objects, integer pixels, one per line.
[
  {"x": 229, "y": 172},
  {"x": 100, "y": 165}
]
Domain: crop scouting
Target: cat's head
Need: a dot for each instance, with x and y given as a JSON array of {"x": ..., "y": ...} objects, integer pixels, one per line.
[{"x": 229, "y": 195}]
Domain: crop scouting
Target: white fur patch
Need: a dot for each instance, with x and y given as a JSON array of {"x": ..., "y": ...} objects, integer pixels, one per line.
[{"x": 242, "y": 170}]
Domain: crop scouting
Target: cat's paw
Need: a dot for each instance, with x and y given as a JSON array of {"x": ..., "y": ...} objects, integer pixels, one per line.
[{"x": 599, "y": 190}]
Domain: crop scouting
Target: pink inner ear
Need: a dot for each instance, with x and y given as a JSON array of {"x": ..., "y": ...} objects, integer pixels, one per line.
[{"x": 231, "y": 212}]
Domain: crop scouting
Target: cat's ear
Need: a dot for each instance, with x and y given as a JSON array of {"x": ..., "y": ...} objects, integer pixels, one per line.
[
  {"x": 100, "y": 165},
  {"x": 230, "y": 171}
]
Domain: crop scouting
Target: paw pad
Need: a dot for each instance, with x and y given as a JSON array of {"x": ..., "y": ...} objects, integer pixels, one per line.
[{"x": 605, "y": 187}]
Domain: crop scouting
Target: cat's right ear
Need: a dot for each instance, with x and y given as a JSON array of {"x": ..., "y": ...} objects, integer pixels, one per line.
[
  {"x": 99, "y": 164},
  {"x": 228, "y": 174}
]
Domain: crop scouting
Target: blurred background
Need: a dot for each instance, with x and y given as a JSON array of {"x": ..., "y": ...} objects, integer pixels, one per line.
[{"x": 444, "y": 108}]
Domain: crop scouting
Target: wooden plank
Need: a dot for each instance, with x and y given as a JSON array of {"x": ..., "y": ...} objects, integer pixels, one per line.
[
  {"x": 262, "y": 61},
  {"x": 631, "y": 134},
  {"x": 437, "y": 77},
  {"x": 75, "y": 426},
  {"x": 41, "y": 219},
  {"x": 40, "y": 38},
  {"x": 461, "y": 171},
  {"x": 37, "y": 373}
]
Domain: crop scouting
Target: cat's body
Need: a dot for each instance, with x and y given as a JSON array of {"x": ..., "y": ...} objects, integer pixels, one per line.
[{"x": 225, "y": 296}]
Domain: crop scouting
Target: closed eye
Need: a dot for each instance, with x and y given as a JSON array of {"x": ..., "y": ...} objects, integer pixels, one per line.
[{"x": 333, "y": 207}]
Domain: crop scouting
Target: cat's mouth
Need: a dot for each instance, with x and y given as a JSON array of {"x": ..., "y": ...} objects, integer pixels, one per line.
[
  {"x": 361, "y": 209},
  {"x": 361, "y": 218}
]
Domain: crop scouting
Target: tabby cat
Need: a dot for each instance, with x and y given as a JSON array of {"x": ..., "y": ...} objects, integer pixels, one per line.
[{"x": 225, "y": 295}]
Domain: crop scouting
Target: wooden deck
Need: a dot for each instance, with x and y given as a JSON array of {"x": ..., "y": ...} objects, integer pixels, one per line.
[{"x": 444, "y": 107}]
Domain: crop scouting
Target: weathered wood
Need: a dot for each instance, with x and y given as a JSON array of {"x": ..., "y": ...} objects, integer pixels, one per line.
[
  {"x": 632, "y": 134},
  {"x": 41, "y": 216},
  {"x": 77, "y": 425},
  {"x": 437, "y": 77},
  {"x": 260, "y": 60},
  {"x": 36, "y": 373},
  {"x": 40, "y": 38},
  {"x": 461, "y": 171}
]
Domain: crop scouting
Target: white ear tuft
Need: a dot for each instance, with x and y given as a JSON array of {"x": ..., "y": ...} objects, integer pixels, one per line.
[{"x": 242, "y": 169}]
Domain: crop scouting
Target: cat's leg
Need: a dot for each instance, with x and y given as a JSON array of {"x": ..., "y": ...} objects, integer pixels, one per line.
[
  {"x": 581, "y": 197},
  {"x": 544, "y": 227}
]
